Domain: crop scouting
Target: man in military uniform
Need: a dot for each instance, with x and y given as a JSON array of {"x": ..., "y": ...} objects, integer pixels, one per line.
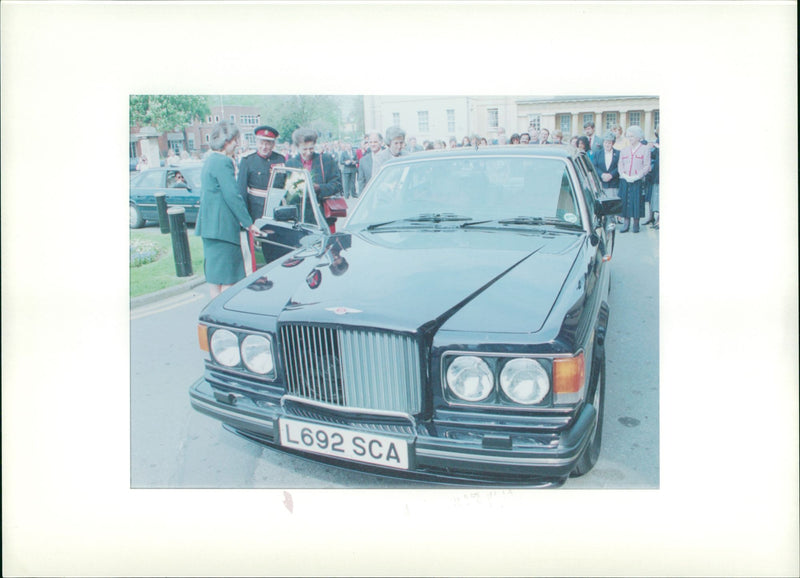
[
  {"x": 254, "y": 170},
  {"x": 253, "y": 181}
]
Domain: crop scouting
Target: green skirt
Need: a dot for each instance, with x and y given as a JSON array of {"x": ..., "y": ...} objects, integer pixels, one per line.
[{"x": 224, "y": 264}]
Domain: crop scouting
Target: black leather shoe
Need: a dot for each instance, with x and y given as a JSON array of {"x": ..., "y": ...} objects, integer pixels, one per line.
[
  {"x": 636, "y": 225},
  {"x": 649, "y": 220}
]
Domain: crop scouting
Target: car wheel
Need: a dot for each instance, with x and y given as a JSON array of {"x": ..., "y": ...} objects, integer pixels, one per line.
[
  {"x": 136, "y": 217},
  {"x": 592, "y": 451}
]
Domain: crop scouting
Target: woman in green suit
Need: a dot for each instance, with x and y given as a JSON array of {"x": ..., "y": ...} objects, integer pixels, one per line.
[{"x": 222, "y": 212}]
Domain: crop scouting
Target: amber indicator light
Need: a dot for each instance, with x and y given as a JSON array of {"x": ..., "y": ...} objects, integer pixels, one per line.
[
  {"x": 202, "y": 336},
  {"x": 568, "y": 374}
]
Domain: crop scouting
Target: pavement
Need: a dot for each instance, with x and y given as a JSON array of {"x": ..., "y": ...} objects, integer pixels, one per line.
[{"x": 189, "y": 284}]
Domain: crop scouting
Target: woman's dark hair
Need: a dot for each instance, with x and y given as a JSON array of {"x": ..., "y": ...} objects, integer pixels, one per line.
[
  {"x": 303, "y": 135},
  {"x": 585, "y": 141},
  {"x": 514, "y": 137}
]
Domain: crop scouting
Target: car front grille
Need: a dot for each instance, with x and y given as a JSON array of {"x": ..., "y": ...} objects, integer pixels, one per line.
[{"x": 354, "y": 368}]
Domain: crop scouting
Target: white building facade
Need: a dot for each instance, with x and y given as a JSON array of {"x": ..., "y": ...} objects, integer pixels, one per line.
[{"x": 443, "y": 117}]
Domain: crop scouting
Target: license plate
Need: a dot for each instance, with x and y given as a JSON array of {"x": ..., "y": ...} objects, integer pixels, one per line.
[{"x": 343, "y": 443}]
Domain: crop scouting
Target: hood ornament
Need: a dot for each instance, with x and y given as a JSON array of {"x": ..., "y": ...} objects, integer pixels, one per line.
[{"x": 342, "y": 310}]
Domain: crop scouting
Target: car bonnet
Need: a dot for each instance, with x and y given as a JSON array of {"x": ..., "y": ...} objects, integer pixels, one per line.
[{"x": 403, "y": 282}]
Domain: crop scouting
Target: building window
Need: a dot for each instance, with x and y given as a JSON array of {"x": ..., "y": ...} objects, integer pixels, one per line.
[
  {"x": 250, "y": 138},
  {"x": 190, "y": 140},
  {"x": 247, "y": 119},
  {"x": 588, "y": 117},
  {"x": 233, "y": 118},
  {"x": 565, "y": 123},
  {"x": 493, "y": 117},
  {"x": 635, "y": 118},
  {"x": 216, "y": 118},
  {"x": 176, "y": 146},
  {"x": 395, "y": 119},
  {"x": 422, "y": 120},
  {"x": 656, "y": 119},
  {"x": 609, "y": 120},
  {"x": 208, "y": 138},
  {"x": 535, "y": 121},
  {"x": 451, "y": 120},
  {"x": 208, "y": 119}
]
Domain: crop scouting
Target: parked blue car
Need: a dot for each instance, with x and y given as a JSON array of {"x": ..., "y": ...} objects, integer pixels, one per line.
[{"x": 180, "y": 184}]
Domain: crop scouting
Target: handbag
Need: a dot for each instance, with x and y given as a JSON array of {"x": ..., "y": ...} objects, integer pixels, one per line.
[{"x": 334, "y": 207}]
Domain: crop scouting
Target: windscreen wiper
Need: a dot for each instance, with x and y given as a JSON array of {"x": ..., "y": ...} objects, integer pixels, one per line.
[
  {"x": 423, "y": 218},
  {"x": 524, "y": 220}
]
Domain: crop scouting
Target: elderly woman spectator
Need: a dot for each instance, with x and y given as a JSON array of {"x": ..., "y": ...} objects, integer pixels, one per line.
[
  {"x": 222, "y": 212},
  {"x": 396, "y": 141},
  {"x": 573, "y": 142},
  {"x": 607, "y": 166},
  {"x": 323, "y": 167},
  {"x": 558, "y": 137},
  {"x": 634, "y": 164}
]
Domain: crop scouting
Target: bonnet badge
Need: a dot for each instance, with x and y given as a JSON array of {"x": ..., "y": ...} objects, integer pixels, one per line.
[{"x": 342, "y": 310}]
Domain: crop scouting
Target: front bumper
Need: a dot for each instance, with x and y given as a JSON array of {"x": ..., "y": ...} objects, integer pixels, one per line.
[{"x": 437, "y": 452}]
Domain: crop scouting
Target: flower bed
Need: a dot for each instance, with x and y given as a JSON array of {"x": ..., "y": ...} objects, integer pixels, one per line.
[{"x": 143, "y": 252}]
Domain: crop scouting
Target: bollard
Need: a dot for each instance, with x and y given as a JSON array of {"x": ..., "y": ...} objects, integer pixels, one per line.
[
  {"x": 161, "y": 203},
  {"x": 180, "y": 241}
]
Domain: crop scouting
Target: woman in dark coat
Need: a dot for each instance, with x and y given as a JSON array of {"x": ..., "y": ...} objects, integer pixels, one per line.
[
  {"x": 323, "y": 167},
  {"x": 607, "y": 165},
  {"x": 222, "y": 212}
]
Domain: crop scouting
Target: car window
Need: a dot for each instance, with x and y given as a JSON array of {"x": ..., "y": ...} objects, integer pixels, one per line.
[
  {"x": 478, "y": 188},
  {"x": 150, "y": 179},
  {"x": 585, "y": 177},
  {"x": 290, "y": 190},
  {"x": 193, "y": 178}
]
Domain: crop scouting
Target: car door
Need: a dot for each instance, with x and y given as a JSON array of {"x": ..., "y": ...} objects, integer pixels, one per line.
[
  {"x": 184, "y": 193},
  {"x": 143, "y": 191},
  {"x": 289, "y": 187}
]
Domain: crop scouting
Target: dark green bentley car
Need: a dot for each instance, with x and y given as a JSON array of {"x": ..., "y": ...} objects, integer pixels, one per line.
[{"x": 453, "y": 329}]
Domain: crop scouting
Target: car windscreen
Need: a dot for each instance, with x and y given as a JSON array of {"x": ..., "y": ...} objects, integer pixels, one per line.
[{"x": 490, "y": 187}]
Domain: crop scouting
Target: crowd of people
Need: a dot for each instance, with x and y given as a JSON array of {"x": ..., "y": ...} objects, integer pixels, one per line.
[{"x": 235, "y": 180}]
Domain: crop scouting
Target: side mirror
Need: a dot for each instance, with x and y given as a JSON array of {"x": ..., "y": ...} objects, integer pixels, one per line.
[
  {"x": 286, "y": 214},
  {"x": 608, "y": 206}
]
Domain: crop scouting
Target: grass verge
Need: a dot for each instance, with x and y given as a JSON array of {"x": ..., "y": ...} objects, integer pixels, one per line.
[{"x": 160, "y": 274}]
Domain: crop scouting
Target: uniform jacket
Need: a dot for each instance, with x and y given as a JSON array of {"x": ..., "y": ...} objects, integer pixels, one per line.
[
  {"x": 222, "y": 209},
  {"x": 599, "y": 162},
  {"x": 254, "y": 171}
]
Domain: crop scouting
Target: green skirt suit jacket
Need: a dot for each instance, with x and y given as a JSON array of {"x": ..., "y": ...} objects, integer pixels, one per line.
[{"x": 222, "y": 215}]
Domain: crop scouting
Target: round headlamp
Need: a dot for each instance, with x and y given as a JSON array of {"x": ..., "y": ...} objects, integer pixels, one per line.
[
  {"x": 470, "y": 378},
  {"x": 257, "y": 354},
  {"x": 524, "y": 381},
  {"x": 225, "y": 347}
]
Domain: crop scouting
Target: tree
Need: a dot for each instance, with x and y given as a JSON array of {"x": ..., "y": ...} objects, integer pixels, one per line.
[
  {"x": 167, "y": 112},
  {"x": 320, "y": 112}
]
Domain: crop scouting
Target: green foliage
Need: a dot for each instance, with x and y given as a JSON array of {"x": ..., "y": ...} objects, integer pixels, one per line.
[
  {"x": 166, "y": 112},
  {"x": 160, "y": 274}
]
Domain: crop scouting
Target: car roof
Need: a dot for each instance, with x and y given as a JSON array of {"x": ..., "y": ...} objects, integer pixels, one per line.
[{"x": 552, "y": 151}]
